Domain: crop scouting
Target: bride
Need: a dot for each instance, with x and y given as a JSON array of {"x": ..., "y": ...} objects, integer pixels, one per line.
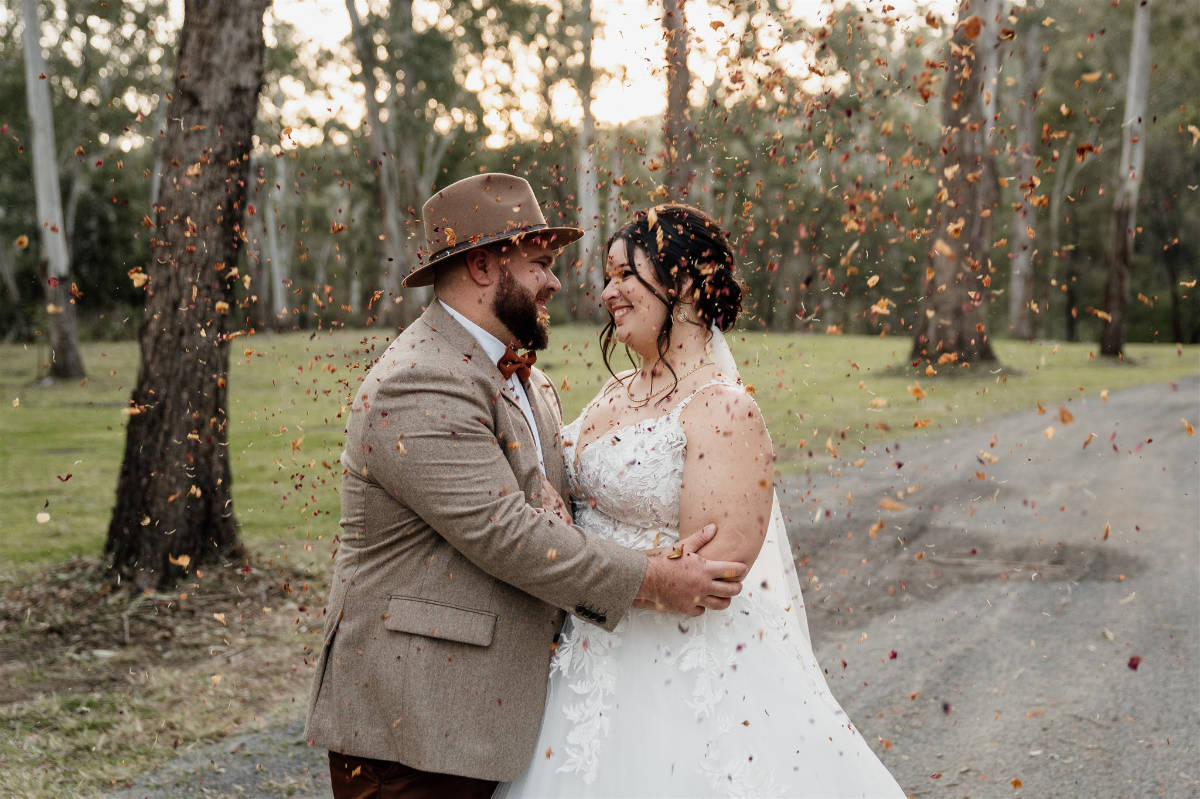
[{"x": 729, "y": 703}]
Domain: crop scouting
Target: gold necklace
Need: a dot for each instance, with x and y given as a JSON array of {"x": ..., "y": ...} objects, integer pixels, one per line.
[{"x": 639, "y": 403}]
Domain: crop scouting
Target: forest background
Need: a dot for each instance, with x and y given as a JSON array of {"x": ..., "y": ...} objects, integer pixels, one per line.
[{"x": 812, "y": 133}]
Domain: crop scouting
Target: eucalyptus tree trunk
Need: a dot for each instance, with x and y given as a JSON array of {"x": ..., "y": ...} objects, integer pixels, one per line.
[
  {"x": 1024, "y": 222},
  {"x": 612, "y": 200},
  {"x": 279, "y": 243},
  {"x": 394, "y": 254},
  {"x": 678, "y": 135},
  {"x": 1133, "y": 156},
  {"x": 795, "y": 276},
  {"x": 12, "y": 294},
  {"x": 707, "y": 189},
  {"x": 952, "y": 325},
  {"x": 1063, "y": 267},
  {"x": 174, "y": 506},
  {"x": 589, "y": 280},
  {"x": 54, "y": 263}
]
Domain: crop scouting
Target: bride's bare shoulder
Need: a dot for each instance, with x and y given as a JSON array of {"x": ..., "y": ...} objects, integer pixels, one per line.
[{"x": 725, "y": 406}]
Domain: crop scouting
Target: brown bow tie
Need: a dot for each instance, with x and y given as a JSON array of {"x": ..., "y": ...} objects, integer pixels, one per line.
[{"x": 510, "y": 362}]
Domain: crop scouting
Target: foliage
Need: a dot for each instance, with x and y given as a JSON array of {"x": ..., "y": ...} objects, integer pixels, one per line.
[
  {"x": 816, "y": 143},
  {"x": 105, "y": 67}
]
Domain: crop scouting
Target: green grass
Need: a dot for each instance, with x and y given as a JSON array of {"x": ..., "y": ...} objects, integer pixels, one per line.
[{"x": 287, "y": 393}]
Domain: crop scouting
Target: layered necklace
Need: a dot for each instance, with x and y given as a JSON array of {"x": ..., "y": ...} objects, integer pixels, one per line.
[{"x": 641, "y": 402}]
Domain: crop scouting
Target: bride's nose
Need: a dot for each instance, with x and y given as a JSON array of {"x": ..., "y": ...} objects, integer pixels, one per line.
[{"x": 610, "y": 290}]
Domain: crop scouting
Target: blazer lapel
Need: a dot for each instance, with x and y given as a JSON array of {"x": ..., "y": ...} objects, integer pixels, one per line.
[
  {"x": 464, "y": 345},
  {"x": 508, "y": 394},
  {"x": 547, "y": 431}
]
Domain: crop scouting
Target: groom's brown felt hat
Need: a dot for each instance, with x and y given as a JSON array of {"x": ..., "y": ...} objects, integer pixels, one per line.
[{"x": 480, "y": 210}]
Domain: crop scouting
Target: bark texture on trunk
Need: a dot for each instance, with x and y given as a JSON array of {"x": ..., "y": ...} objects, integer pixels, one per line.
[
  {"x": 952, "y": 325},
  {"x": 589, "y": 279},
  {"x": 279, "y": 243},
  {"x": 54, "y": 263},
  {"x": 1129, "y": 179},
  {"x": 679, "y": 137},
  {"x": 1024, "y": 226},
  {"x": 174, "y": 503}
]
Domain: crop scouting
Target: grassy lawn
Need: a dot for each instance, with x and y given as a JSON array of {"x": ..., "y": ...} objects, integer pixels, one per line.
[
  {"x": 60, "y": 446},
  {"x": 113, "y": 714}
]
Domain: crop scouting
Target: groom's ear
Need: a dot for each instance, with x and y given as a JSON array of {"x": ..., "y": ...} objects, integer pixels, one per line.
[{"x": 481, "y": 269}]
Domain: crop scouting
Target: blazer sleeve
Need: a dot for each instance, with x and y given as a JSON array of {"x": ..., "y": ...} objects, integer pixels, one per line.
[{"x": 428, "y": 440}]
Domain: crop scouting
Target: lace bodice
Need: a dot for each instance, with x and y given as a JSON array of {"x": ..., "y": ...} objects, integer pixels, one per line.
[{"x": 626, "y": 483}]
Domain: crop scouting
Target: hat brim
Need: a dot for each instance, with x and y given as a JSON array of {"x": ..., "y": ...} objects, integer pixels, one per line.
[{"x": 423, "y": 275}]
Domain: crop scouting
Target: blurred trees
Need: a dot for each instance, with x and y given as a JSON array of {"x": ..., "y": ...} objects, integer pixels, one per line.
[
  {"x": 103, "y": 73},
  {"x": 1026, "y": 181},
  {"x": 816, "y": 140},
  {"x": 678, "y": 133},
  {"x": 1129, "y": 180},
  {"x": 54, "y": 271}
]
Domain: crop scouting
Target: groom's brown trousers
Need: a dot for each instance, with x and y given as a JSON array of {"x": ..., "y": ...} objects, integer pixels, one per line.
[{"x": 363, "y": 778}]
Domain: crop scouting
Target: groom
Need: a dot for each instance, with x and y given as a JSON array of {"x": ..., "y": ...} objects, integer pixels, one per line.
[{"x": 453, "y": 573}]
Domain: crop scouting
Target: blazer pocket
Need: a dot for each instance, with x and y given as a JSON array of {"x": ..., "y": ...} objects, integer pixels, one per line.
[{"x": 438, "y": 620}]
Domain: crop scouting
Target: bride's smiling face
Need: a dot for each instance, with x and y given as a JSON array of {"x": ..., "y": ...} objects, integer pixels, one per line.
[{"x": 638, "y": 315}]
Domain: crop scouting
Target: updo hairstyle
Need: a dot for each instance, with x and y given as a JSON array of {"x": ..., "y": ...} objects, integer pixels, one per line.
[{"x": 682, "y": 243}]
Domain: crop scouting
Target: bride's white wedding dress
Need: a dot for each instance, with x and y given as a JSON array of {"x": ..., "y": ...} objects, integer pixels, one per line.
[{"x": 731, "y": 703}]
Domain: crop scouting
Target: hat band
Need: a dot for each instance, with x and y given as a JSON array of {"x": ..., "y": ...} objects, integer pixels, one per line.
[{"x": 471, "y": 244}]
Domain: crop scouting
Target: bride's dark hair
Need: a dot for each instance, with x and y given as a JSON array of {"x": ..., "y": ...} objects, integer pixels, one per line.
[{"x": 685, "y": 247}]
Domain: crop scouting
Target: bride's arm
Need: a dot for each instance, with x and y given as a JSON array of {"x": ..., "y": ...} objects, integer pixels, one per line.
[{"x": 727, "y": 473}]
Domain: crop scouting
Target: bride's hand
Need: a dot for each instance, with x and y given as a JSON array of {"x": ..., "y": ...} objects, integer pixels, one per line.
[{"x": 553, "y": 502}]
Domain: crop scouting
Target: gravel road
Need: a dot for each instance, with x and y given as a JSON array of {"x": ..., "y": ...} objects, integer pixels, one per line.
[
  {"x": 1025, "y": 619},
  {"x": 992, "y": 630}
]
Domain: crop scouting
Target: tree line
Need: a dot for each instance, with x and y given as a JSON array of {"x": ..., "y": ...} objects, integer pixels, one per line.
[
  {"x": 826, "y": 171},
  {"x": 1018, "y": 170}
]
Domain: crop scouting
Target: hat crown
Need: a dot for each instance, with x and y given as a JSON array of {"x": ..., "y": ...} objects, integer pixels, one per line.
[{"x": 478, "y": 209}]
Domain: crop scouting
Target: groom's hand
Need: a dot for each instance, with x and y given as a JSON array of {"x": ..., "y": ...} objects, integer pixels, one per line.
[
  {"x": 680, "y": 581},
  {"x": 552, "y": 501}
]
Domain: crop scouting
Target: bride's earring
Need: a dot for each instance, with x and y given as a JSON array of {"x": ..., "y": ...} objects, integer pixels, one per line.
[{"x": 682, "y": 316}]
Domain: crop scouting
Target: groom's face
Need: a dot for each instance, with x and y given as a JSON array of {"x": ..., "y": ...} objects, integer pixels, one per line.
[{"x": 526, "y": 284}]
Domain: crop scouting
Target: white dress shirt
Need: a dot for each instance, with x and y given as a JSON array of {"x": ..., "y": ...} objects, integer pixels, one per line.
[{"x": 495, "y": 348}]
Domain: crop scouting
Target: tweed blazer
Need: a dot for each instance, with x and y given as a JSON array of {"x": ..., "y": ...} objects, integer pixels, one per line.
[{"x": 449, "y": 584}]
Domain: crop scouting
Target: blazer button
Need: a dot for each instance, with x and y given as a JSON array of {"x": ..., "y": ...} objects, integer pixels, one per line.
[{"x": 601, "y": 618}]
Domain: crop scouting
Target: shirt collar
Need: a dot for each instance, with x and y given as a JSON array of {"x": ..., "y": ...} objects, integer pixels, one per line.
[{"x": 491, "y": 345}]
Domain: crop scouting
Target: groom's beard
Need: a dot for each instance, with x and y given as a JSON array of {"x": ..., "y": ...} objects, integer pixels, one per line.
[{"x": 516, "y": 308}]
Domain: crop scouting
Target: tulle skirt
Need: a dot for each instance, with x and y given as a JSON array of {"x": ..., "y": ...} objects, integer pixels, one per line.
[{"x": 728, "y": 704}]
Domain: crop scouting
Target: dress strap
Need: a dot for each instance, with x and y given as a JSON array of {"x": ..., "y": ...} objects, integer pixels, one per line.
[{"x": 678, "y": 409}]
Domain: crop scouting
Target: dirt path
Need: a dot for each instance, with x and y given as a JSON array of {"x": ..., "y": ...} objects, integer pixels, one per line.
[
  {"x": 1013, "y": 621},
  {"x": 983, "y": 639}
]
